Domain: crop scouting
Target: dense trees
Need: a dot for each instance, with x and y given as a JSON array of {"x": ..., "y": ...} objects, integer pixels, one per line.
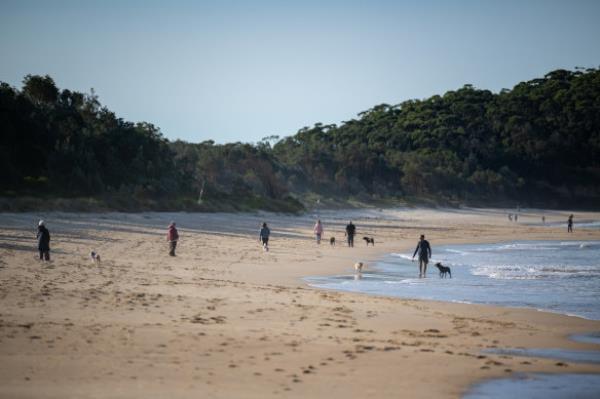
[{"x": 538, "y": 143}]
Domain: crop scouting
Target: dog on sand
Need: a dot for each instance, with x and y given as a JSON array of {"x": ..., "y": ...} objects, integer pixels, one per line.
[
  {"x": 358, "y": 266},
  {"x": 444, "y": 270},
  {"x": 332, "y": 241},
  {"x": 95, "y": 257},
  {"x": 369, "y": 240}
]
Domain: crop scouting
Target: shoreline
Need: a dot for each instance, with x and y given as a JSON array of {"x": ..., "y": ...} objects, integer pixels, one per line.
[
  {"x": 225, "y": 319},
  {"x": 381, "y": 257}
]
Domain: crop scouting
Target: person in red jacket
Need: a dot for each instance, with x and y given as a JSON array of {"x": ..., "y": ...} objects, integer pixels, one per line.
[{"x": 172, "y": 237}]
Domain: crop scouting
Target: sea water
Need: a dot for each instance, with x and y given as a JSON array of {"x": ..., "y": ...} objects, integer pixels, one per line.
[
  {"x": 556, "y": 276},
  {"x": 539, "y": 386}
]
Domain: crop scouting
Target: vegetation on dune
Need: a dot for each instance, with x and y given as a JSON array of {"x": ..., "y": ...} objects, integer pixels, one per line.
[{"x": 537, "y": 144}]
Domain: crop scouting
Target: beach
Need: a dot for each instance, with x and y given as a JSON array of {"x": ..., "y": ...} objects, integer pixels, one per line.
[{"x": 225, "y": 319}]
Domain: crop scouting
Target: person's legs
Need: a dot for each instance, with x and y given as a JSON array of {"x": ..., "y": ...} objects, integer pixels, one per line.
[
  {"x": 351, "y": 241},
  {"x": 172, "y": 246},
  {"x": 422, "y": 267},
  {"x": 47, "y": 256},
  {"x": 318, "y": 238},
  {"x": 41, "y": 254}
]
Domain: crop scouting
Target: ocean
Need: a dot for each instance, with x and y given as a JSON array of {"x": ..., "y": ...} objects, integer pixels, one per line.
[{"x": 555, "y": 276}]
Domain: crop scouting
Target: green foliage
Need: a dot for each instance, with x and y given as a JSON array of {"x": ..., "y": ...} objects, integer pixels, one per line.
[{"x": 538, "y": 143}]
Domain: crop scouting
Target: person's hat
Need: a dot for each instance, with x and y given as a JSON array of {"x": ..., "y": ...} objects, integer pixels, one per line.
[{"x": 41, "y": 223}]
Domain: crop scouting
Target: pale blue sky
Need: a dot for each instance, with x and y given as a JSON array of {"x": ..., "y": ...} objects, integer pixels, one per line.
[{"x": 243, "y": 70}]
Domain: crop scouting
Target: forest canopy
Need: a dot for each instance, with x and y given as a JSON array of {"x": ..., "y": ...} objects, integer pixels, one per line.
[{"x": 537, "y": 144}]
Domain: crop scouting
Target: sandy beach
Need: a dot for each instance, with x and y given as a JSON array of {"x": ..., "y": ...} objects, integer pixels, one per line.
[{"x": 224, "y": 319}]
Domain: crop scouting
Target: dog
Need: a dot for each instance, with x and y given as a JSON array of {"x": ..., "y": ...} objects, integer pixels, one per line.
[
  {"x": 332, "y": 241},
  {"x": 95, "y": 257},
  {"x": 444, "y": 270},
  {"x": 358, "y": 266},
  {"x": 369, "y": 240}
]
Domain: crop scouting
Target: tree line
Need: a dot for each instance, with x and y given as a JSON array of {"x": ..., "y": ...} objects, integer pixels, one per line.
[{"x": 535, "y": 144}]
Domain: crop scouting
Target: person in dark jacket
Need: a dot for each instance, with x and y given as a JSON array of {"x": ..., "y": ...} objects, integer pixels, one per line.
[
  {"x": 263, "y": 236},
  {"x": 43, "y": 237},
  {"x": 424, "y": 250},
  {"x": 570, "y": 224},
  {"x": 172, "y": 238},
  {"x": 350, "y": 232}
]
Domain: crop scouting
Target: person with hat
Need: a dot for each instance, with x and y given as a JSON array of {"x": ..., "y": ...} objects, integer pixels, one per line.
[{"x": 43, "y": 237}]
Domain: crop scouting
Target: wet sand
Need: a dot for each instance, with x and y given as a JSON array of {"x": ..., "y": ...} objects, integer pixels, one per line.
[{"x": 225, "y": 319}]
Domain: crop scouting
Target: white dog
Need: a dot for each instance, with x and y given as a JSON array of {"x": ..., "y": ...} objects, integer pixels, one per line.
[
  {"x": 95, "y": 257},
  {"x": 358, "y": 266}
]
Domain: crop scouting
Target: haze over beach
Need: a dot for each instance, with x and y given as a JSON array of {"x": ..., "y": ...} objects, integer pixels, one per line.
[{"x": 223, "y": 199}]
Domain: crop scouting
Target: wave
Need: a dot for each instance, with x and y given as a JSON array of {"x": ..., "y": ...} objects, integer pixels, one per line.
[{"x": 530, "y": 272}]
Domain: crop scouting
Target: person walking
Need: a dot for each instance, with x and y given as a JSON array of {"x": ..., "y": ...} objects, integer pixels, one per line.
[
  {"x": 263, "y": 236},
  {"x": 172, "y": 238},
  {"x": 318, "y": 230},
  {"x": 570, "y": 224},
  {"x": 424, "y": 250},
  {"x": 350, "y": 232},
  {"x": 43, "y": 237}
]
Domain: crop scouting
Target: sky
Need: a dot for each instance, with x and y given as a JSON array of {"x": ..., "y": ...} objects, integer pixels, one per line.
[{"x": 242, "y": 70}]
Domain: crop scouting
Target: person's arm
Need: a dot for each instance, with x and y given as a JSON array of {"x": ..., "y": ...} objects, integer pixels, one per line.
[
  {"x": 429, "y": 249},
  {"x": 416, "y": 249}
]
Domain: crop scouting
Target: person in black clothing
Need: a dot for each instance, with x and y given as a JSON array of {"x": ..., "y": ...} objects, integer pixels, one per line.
[
  {"x": 570, "y": 224},
  {"x": 350, "y": 232},
  {"x": 424, "y": 250},
  {"x": 43, "y": 237},
  {"x": 263, "y": 236}
]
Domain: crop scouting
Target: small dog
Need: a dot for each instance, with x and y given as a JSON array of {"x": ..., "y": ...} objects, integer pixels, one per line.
[
  {"x": 95, "y": 257},
  {"x": 358, "y": 266},
  {"x": 369, "y": 240},
  {"x": 332, "y": 241},
  {"x": 444, "y": 270}
]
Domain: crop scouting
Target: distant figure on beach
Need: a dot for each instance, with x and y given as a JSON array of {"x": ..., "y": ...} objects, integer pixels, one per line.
[
  {"x": 318, "y": 230},
  {"x": 350, "y": 232},
  {"x": 543, "y": 219},
  {"x": 263, "y": 236},
  {"x": 172, "y": 238},
  {"x": 510, "y": 217},
  {"x": 516, "y": 217},
  {"x": 43, "y": 237},
  {"x": 424, "y": 250},
  {"x": 570, "y": 224}
]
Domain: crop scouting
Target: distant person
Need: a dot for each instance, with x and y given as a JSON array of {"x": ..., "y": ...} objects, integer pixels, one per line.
[
  {"x": 516, "y": 217},
  {"x": 172, "y": 238},
  {"x": 543, "y": 219},
  {"x": 43, "y": 237},
  {"x": 570, "y": 224},
  {"x": 318, "y": 230},
  {"x": 424, "y": 251},
  {"x": 350, "y": 232},
  {"x": 263, "y": 236},
  {"x": 510, "y": 217}
]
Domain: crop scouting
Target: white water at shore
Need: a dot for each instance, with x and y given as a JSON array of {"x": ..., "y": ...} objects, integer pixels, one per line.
[{"x": 562, "y": 277}]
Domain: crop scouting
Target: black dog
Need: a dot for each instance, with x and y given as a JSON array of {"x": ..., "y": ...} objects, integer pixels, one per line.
[
  {"x": 369, "y": 240},
  {"x": 444, "y": 270},
  {"x": 332, "y": 241}
]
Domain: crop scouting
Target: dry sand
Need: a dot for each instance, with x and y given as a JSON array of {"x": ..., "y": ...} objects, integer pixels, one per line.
[{"x": 224, "y": 319}]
